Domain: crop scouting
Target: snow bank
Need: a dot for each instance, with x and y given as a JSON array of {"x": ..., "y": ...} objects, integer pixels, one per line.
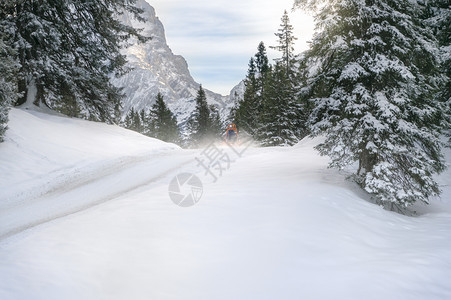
[
  {"x": 41, "y": 145},
  {"x": 53, "y": 166}
]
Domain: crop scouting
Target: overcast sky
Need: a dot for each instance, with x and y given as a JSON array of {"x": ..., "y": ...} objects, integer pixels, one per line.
[{"x": 218, "y": 37}]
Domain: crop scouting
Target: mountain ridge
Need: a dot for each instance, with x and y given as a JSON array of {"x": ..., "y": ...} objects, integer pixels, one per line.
[{"x": 156, "y": 69}]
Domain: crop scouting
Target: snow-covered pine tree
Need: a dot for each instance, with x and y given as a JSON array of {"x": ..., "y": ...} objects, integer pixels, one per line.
[
  {"x": 285, "y": 40},
  {"x": 162, "y": 122},
  {"x": 68, "y": 50},
  {"x": 373, "y": 83},
  {"x": 8, "y": 69},
  {"x": 438, "y": 17},
  {"x": 280, "y": 114}
]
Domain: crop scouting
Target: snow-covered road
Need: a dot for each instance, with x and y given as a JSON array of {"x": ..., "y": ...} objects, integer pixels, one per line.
[
  {"x": 276, "y": 225},
  {"x": 77, "y": 189}
]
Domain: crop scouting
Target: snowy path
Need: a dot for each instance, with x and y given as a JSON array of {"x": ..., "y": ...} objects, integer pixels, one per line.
[
  {"x": 277, "y": 225},
  {"x": 78, "y": 190}
]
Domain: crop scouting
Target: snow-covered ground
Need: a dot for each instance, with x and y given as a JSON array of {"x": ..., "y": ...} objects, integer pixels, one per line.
[{"x": 85, "y": 214}]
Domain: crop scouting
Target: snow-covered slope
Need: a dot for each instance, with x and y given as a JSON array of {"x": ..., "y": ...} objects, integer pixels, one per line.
[
  {"x": 45, "y": 156},
  {"x": 157, "y": 69},
  {"x": 278, "y": 224}
]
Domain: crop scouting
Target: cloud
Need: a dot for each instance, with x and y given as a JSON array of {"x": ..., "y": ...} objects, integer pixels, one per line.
[{"x": 217, "y": 38}]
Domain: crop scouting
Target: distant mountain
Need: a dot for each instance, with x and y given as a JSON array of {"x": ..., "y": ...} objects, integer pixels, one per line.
[
  {"x": 237, "y": 92},
  {"x": 157, "y": 69}
]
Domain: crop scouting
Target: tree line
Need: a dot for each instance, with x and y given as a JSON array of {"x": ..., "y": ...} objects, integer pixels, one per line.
[
  {"x": 270, "y": 110},
  {"x": 374, "y": 84},
  {"x": 160, "y": 122}
]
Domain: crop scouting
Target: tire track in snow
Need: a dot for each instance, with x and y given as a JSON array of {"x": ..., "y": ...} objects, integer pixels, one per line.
[
  {"x": 60, "y": 202},
  {"x": 72, "y": 177}
]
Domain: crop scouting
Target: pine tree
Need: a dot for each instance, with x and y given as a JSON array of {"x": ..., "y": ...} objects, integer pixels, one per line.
[
  {"x": 249, "y": 110},
  {"x": 285, "y": 45},
  {"x": 162, "y": 122},
  {"x": 216, "y": 124},
  {"x": 242, "y": 113},
  {"x": 137, "y": 124},
  {"x": 438, "y": 18},
  {"x": 8, "y": 70},
  {"x": 261, "y": 61},
  {"x": 144, "y": 120},
  {"x": 68, "y": 49},
  {"x": 373, "y": 86},
  {"x": 201, "y": 121},
  {"x": 262, "y": 69},
  {"x": 280, "y": 115},
  {"x": 303, "y": 94},
  {"x": 130, "y": 120}
]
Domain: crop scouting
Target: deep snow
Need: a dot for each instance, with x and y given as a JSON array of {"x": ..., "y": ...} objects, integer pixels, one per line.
[{"x": 277, "y": 225}]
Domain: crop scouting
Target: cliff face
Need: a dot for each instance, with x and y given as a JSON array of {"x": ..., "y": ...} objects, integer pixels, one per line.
[{"x": 157, "y": 69}]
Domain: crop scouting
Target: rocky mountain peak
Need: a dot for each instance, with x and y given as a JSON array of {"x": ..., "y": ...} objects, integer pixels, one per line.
[{"x": 156, "y": 69}]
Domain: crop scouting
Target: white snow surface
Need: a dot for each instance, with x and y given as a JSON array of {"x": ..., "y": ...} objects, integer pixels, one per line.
[{"x": 85, "y": 214}]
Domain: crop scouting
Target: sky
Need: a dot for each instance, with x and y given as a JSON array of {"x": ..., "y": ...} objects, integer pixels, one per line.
[{"x": 218, "y": 37}]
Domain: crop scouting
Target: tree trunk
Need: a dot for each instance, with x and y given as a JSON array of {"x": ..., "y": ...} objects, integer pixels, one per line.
[
  {"x": 23, "y": 89},
  {"x": 366, "y": 162}
]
